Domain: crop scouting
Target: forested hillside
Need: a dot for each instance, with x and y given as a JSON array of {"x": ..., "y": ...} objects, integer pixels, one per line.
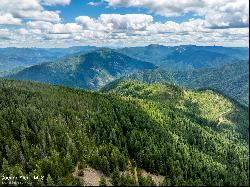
[
  {"x": 88, "y": 71},
  {"x": 12, "y": 58},
  {"x": 186, "y": 57},
  {"x": 230, "y": 79},
  {"x": 190, "y": 137},
  {"x": 181, "y": 57}
]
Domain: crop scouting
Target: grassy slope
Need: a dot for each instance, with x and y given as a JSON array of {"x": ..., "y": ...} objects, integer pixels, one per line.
[{"x": 164, "y": 129}]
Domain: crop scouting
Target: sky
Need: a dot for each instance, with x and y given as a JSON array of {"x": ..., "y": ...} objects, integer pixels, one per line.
[{"x": 121, "y": 23}]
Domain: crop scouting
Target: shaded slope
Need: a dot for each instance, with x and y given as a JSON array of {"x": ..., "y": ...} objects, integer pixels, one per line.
[
  {"x": 12, "y": 58},
  {"x": 90, "y": 71}
]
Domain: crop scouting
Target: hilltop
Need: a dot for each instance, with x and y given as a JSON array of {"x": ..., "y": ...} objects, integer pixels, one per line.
[
  {"x": 230, "y": 79},
  {"x": 89, "y": 71},
  {"x": 12, "y": 58}
]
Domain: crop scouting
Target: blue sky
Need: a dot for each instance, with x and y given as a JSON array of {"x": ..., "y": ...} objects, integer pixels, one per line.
[
  {"x": 63, "y": 23},
  {"x": 81, "y": 7}
]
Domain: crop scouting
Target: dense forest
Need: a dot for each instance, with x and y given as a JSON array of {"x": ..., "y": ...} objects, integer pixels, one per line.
[
  {"x": 87, "y": 71},
  {"x": 12, "y": 58},
  {"x": 190, "y": 137},
  {"x": 230, "y": 79},
  {"x": 187, "y": 57}
]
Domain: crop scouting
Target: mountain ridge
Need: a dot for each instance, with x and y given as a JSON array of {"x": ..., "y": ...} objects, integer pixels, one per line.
[
  {"x": 190, "y": 137},
  {"x": 88, "y": 71},
  {"x": 175, "y": 57},
  {"x": 231, "y": 79}
]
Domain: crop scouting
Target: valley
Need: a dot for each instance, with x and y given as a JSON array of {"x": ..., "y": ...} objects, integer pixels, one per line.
[
  {"x": 230, "y": 79},
  {"x": 124, "y": 93},
  {"x": 104, "y": 117}
]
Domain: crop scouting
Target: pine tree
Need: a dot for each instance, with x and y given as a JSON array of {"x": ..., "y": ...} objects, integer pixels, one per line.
[
  {"x": 103, "y": 181},
  {"x": 50, "y": 181},
  {"x": 116, "y": 177}
]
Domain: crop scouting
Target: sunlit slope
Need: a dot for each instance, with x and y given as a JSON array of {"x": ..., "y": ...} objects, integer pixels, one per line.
[
  {"x": 230, "y": 79},
  {"x": 192, "y": 138}
]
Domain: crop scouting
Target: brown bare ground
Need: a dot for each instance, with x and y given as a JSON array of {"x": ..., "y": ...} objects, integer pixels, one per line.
[
  {"x": 158, "y": 179},
  {"x": 91, "y": 176}
]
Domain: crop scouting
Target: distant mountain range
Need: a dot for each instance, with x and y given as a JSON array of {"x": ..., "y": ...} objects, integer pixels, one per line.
[
  {"x": 187, "y": 57},
  {"x": 189, "y": 66},
  {"x": 88, "y": 71},
  {"x": 230, "y": 79},
  {"x": 170, "y": 58},
  {"x": 13, "y": 58}
]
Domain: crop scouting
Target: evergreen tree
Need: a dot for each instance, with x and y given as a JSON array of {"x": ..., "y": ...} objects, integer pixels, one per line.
[
  {"x": 50, "y": 181},
  {"x": 103, "y": 181}
]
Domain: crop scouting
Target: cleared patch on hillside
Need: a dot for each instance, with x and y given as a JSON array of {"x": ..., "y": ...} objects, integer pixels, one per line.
[{"x": 91, "y": 176}]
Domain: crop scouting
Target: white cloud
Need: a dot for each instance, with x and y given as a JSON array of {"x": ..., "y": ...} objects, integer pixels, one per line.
[
  {"x": 89, "y": 23},
  {"x": 116, "y": 22},
  {"x": 67, "y": 28},
  {"x": 36, "y": 32},
  {"x": 227, "y": 13},
  {"x": 10, "y": 5},
  {"x": 193, "y": 25},
  {"x": 4, "y": 35},
  {"x": 162, "y": 7},
  {"x": 126, "y": 22},
  {"x": 56, "y": 2},
  {"x": 8, "y": 19},
  {"x": 94, "y": 3},
  {"x": 41, "y": 27},
  {"x": 28, "y": 9},
  {"x": 23, "y": 31},
  {"x": 220, "y": 13}
]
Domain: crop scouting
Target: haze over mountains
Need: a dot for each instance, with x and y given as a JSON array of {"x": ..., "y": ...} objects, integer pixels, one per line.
[
  {"x": 187, "y": 57},
  {"x": 173, "y": 58},
  {"x": 12, "y": 59},
  {"x": 89, "y": 71},
  {"x": 221, "y": 68}
]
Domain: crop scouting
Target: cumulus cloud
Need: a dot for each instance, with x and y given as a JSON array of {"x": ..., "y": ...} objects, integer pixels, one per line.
[
  {"x": 5, "y": 34},
  {"x": 23, "y": 31},
  {"x": 162, "y": 7},
  {"x": 56, "y": 2},
  {"x": 221, "y": 22},
  {"x": 193, "y": 25},
  {"x": 220, "y": 13},
  {"x": 116, "y": 22},
  {"x": 126, "y": 22},
  {"x": 8, "y": 19},
  {"x": 65, "y": 28},
  {"x": 89, "y": 23},
  {"x": 227, "y": 14},
  {"x": 43, "y": 25},
  {"x": 28, "y": 9}
]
